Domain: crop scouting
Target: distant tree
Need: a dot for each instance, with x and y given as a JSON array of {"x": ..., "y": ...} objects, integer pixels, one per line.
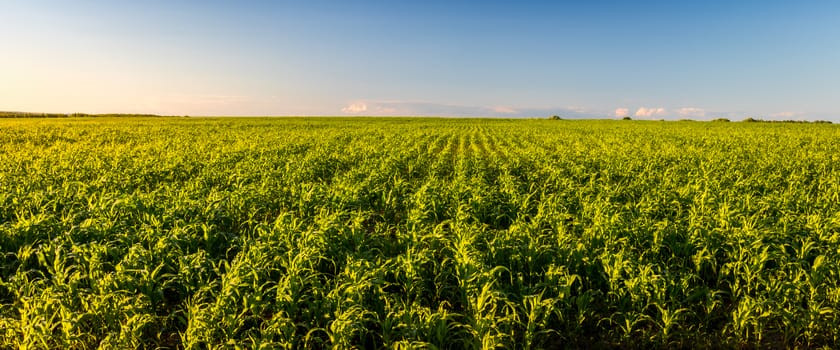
[
  {"x": 752, "y": 120},
  {"x": 718, "y": 120},
  {"x": 555, "y": 117},
  {"x": 627, "y": 118},
  {"x": 31, "y": 115}
]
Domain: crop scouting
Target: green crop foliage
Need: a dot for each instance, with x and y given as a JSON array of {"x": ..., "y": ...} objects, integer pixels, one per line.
[{"x": 417, "y": 233}]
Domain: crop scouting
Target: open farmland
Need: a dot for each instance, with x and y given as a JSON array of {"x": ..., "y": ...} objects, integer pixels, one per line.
[{"x": 435, "y": 233}]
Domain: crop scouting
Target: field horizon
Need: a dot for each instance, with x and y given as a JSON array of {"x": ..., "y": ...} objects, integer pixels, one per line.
[{"x": 47, "y": 115}]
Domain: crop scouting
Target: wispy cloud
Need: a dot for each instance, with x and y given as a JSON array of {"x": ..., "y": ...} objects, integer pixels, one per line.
[
  {"x": 645, "y": 112},
  {"x": 787, "y": 115},
  {"x": 691, "y": 112},
  {"x": 621, "y": 112},
  {"x": 505, "y": 110},
  {"x": 201, "y": 104},
  {"x": 415, "y": 108}
]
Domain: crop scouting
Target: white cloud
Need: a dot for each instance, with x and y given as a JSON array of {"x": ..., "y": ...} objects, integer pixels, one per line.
[
  {"x": 691, "y": 112},
  {"x": 650, "y": 112},
  {"x": 622, "y": 112},
  {"x": 355, "y": 108}
]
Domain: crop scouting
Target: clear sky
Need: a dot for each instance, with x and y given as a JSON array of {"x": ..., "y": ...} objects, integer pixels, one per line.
[{"x": 647, "y": 59}]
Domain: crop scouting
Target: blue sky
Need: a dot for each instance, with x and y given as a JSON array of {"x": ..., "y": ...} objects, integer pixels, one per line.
[{"x": 646, "y": 59}]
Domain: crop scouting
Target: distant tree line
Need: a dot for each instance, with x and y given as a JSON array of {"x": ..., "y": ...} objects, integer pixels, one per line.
[
  {"x": 755, "y": 120},
  {"x": 72, "y": 115}
]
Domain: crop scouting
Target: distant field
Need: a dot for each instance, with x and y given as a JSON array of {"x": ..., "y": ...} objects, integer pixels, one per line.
[{"x": 418, "y": 233}]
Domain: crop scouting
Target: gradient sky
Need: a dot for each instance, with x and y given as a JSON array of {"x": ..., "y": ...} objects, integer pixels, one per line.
[{"x": 648, "y": 59}]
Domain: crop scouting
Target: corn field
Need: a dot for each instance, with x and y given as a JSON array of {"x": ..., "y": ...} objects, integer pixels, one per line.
[{"x": 417, "y": 233}]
